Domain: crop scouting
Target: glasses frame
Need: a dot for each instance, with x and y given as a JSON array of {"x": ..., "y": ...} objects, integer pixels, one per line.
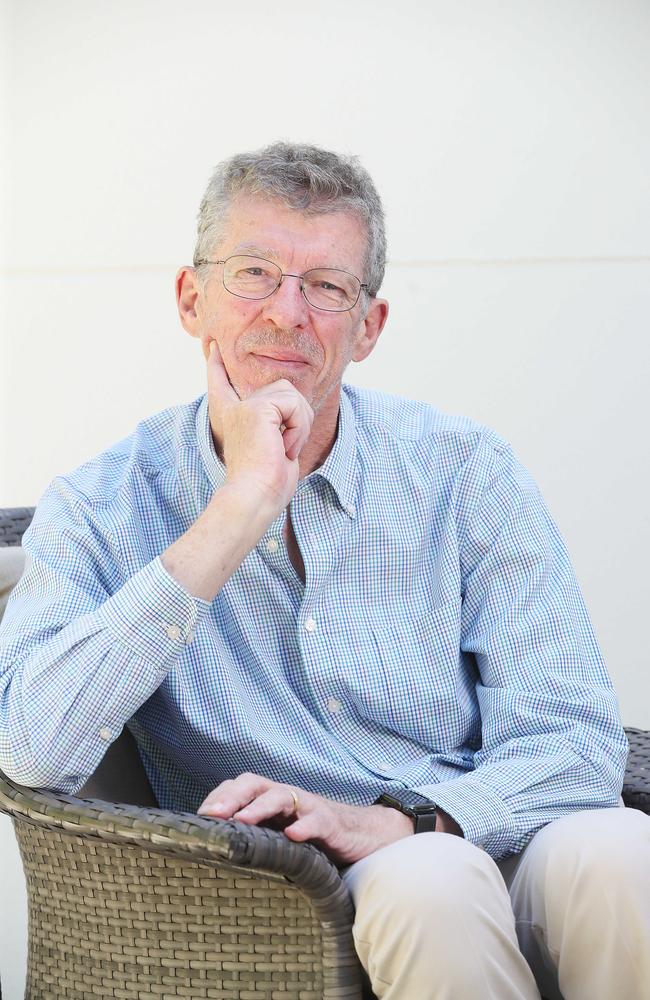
[{"x": 283, "y": 275}]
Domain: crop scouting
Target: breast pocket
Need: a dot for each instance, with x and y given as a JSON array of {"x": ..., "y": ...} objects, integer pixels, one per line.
[{"x": 416, "y": 680}]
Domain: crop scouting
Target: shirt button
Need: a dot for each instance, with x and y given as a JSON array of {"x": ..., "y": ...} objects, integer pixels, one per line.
[
  {"x": 310, "y": 625},
  {"x": 350, "y": 509},
  {"x": 105, "y": 734},
  {"x": 173, "y": 632},
  {"x": 272, "y": 545},
  {"x": 333, "y": 705}
]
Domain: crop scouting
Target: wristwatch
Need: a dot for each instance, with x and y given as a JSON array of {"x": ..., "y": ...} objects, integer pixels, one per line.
[{"x": 422, "y": 811}]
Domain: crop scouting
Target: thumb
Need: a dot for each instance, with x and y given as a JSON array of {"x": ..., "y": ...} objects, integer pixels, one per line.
[{"x": 300, "y": 830}]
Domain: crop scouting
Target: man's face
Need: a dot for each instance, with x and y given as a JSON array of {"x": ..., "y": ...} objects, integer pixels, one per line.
[{"x": 282, "y": 336}]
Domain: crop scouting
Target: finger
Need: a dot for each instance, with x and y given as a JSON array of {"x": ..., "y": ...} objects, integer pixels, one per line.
[
  {"x": 277, "y": 801},
  {"x": 219, "y": 385},
  {"x": 232, "y": 795},
  {"x": 295, "y": 418},
  {"x": 294, "y": 440},
  {"x": 285, "y": 395}
]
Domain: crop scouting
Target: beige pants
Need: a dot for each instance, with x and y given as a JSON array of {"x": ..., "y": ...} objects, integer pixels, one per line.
[{"x": 437, "y": 919}]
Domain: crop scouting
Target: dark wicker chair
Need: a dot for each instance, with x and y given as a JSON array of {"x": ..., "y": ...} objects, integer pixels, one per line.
[
  {"x": 128, "y": 900},
  {"x": 131, "y": 901}
]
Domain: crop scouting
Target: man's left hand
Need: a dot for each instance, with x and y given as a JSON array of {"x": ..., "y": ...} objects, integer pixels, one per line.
[{"x": 345, "y": 833}]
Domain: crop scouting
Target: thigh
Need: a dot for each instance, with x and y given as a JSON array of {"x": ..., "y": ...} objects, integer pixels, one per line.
[
  {"x": 580, "y": 893},
  {"x": 607, "y": 839},
  {"x": 434, "y": 920}
]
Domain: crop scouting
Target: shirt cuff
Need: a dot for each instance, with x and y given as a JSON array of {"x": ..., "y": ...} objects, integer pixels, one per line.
[
  {"x": 152, "y": 614},
  {"x": 482, "y": 816}
]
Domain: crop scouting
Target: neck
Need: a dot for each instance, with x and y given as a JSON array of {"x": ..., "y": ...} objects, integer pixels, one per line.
[
  {"x": 318, "y": 445},
  {"x": 323, "y": 434}
]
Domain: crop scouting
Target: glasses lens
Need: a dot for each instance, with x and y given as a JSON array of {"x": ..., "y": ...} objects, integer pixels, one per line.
[
  {"x": 329, "y": 288},
  {"x": 251, "y": 277}
]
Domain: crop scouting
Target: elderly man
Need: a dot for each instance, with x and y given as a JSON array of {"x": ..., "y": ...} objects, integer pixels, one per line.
[{"x": 343, "y": 612}]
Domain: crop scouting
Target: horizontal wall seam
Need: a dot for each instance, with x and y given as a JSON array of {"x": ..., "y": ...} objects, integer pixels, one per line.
[{"x": 432, "y": 263}]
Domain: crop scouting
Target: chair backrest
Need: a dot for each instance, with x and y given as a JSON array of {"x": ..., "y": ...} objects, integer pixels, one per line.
[{"x": 121, "y": 776}]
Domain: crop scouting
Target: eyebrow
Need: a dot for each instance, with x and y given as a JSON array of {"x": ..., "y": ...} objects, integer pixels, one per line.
[
  {"x": 270, "y": 254},
  {"x": 256, "y": 251}
]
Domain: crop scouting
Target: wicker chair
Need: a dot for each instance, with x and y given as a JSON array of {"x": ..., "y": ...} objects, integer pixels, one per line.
[{"x": 127, "y": 900}]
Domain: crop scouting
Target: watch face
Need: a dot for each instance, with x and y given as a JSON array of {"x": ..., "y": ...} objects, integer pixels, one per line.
[
  {"x": 422, "y": 811},
  {"x": 414, "y": 801},
  {"x": 426, "y": 810},
  {"x": 408, "y": 802}
]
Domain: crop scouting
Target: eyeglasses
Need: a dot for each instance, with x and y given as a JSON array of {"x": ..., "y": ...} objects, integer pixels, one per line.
[{"x": 327, "y": 288}]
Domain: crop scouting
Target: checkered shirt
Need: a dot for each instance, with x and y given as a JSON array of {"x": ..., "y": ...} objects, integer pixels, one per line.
[{"x": 439, "y": 642}]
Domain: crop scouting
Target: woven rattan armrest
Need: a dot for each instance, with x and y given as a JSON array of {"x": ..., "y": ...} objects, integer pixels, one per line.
[
  {"x": 188, "y": 841},
  {"x": 184, "y": 835}
]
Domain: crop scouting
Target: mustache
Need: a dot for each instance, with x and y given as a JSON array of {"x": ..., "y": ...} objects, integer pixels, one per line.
[{"x": 280, "y": 339}]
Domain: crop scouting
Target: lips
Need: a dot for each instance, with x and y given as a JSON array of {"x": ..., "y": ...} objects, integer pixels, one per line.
[{"x": 283, "y": 357}]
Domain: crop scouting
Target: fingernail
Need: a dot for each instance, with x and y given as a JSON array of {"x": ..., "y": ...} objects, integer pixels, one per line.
[{"x": 208, "y": 810}]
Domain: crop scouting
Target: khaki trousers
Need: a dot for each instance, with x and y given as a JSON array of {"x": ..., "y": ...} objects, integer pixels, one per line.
[{"x": 437, "y": 919}]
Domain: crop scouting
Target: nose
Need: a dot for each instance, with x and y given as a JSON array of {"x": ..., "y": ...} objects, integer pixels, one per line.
[{"x": 287, "y": 306}]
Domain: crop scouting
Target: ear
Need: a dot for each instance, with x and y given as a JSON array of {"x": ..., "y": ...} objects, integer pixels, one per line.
[
  {"x": 188, "y": 296},
  {"x": 370, "y": 329}
]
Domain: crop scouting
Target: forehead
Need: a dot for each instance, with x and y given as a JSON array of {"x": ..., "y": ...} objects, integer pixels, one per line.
[{"x": 268, "y": 227}]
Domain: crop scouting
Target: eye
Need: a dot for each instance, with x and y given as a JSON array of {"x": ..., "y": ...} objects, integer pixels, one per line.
[{"x": 247, "y": 272}]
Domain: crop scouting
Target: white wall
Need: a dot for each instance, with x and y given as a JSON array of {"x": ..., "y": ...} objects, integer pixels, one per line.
[{"x": 510, "y": 142}]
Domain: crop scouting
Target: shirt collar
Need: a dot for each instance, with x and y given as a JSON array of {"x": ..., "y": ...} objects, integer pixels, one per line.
[{"x": 339, "y": 468}]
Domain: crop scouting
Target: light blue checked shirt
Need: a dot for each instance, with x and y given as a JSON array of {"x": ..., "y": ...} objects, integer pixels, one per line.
[{"x": 439, "y": 643}]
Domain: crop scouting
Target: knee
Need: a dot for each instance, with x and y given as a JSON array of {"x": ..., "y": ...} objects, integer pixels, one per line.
[
  {"x": 592, "y": 855},
  {"x": 431, "y": 880},
  {"x": 434, "y": 917}
]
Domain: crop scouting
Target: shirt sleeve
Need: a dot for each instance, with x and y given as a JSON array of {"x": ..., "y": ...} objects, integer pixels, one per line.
[
  {"x": 551, "y": 738},
  {"x": 81, "y": 646}
]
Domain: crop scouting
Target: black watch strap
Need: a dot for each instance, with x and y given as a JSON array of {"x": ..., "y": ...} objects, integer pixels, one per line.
[{"x": 422, "y": 811}]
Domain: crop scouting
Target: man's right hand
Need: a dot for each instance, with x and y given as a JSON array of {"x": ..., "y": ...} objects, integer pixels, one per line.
[{"x": 261, "y": 436}]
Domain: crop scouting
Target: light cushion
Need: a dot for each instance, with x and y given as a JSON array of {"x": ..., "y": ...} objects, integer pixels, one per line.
[{"x": 12, "y": 563}]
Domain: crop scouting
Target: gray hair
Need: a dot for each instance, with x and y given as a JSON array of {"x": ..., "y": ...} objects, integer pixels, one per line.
[{"x": 309, "y": 179}]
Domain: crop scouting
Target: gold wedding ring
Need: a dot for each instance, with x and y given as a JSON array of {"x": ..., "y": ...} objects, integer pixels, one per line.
[{"x": 296, "y": 802}]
